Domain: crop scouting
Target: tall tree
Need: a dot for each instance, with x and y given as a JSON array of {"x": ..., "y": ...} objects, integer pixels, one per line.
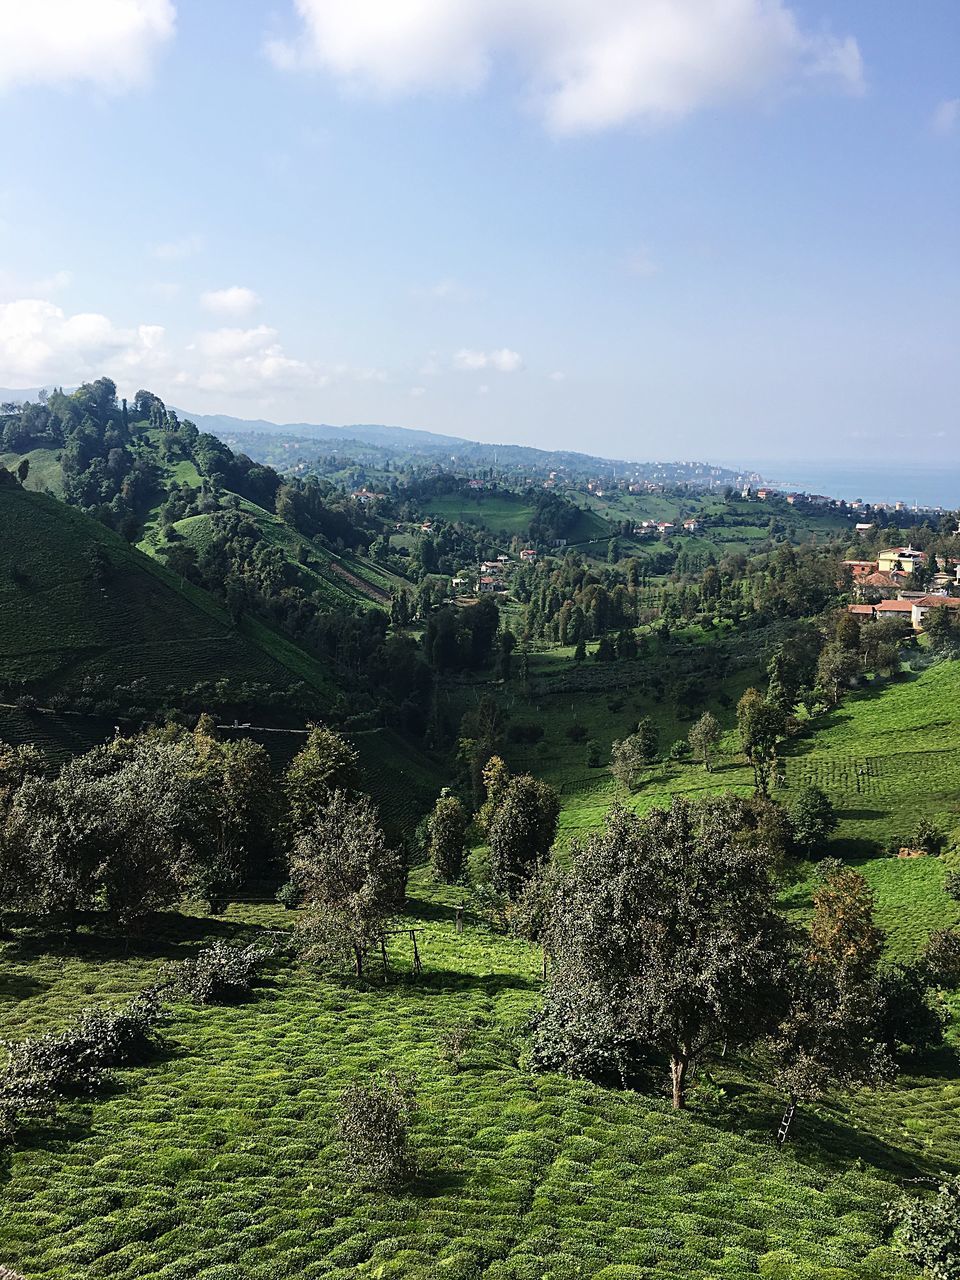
[
  {"x": 667, "y": 934},
  {"x": 326, "y": 763},
  {"x": 350, "y": 880},
  {"x": 448, "y": 833},
  {"x": 703, "y": 738},
  {"x": 522, "y": 830},
  {"x": 761, "y": 726}
]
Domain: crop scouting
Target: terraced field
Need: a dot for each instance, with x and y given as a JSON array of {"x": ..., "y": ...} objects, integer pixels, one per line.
[{"x": 219, "y": 1160}]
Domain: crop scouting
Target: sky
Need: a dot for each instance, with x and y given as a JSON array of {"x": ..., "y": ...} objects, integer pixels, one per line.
[{"x": 652, "y": 229}]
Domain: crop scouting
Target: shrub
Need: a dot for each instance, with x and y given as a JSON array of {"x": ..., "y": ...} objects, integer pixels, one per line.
[
  {"x": 525, "y": 733},
  {"x": 576, "y": 732},
  {"x": 219, "y": 974},
  {"x": 288, "y": 895},
  {"x": 75, "y": 1060},
  {"x": 372, "y": 1124},
  {"x": 453, "y": 1043},
  {"x": 942, "y": 958},
  {"x": 928, "y": 837},
  {"x": 929, "y": 1231},
  {"x": 680, "y": 750}
]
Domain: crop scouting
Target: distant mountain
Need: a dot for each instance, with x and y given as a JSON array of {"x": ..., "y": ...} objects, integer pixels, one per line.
[{"x": 399, "y": 437}]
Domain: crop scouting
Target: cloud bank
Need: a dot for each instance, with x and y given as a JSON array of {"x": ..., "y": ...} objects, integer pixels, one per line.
[
  {"x": 108, "y": 43},
  {"x": 585, "y": 64}
]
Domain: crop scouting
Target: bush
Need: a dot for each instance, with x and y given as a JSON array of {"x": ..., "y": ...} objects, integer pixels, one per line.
[
  {"x": 680, "y": 750},
  {"x": 220, "y": 974},
  {"x": 372, "y": 1125},
  {"x": 929, "y": 1231},
  {"x": 929, "y": 838},
  {"x": 453, "y": 1043},
  {"x": 288, "y": 895},
  {"x": 576, "y": 732},
  {"x": 942, "y": 958},
  {"x": 525, "y": 733},
  {"x": 75, "y": 1060}
]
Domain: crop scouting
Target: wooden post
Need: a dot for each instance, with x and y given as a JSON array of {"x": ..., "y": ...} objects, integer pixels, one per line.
[
  {"x": 417, "y": 967},
  {"x": 459, "y": 911},
  {"x": 383, "y": 955}
]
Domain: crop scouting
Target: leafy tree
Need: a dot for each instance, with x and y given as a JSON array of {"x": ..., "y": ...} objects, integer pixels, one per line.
[
  {"x": 832, "y": 1035},
  {"x": 665, "y": 934},
  {"x": 703, "y": 739},
  {"x": 837, "y": 668},
  {"x": 929, "y": 838},
  {"x": 495, "y": 779},
  {"x": 580, "y": 652},
  {"x": 350, "y": 879},
  {"x": 326, "y": 763},
  {"x": 928, "y": 1231},
  {"x": 761, "y": 725},
  {"x": 628, "y": 759},
  {"x": 605, "y": 651},
  {"x": 23, "y": 470},
  {"x": 448, "y": 832},
  {"x": 521, "y": 832},
  {"x": 814, "y": 818}
]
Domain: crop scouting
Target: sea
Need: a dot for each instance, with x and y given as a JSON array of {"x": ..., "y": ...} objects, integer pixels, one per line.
[{"x": 923, "y": 486}]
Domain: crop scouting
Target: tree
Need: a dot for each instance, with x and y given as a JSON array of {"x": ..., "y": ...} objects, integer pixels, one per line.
[
  {"x": 605, "y": 651},
  {"x": 761, "y": 725},
  {"x": 448, "y": 831},
  {"x": 814, "y": 818},
  {"x": 837, "y": 667},
  {"x": 326, "y": 763},
  {"x": 495, "y": 778},
  {"x": 703, "y": 738},
  {"x": 240, "y": 806},
  {"x": 627, "y": 761},
  {"x": 521, "y": 832},
  {"x": 350, "y": 879},
  {"x": 928, "y": 1231},
  {"x": 665, "y": 938},
  {"x": 832, "y": 1033},
  {"x": 580, "y": 652},
  {"x": 23, "y": 470}
]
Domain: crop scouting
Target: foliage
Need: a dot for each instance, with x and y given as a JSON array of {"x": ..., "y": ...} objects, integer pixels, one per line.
[
  {"x": 448, "y": 832},
  {"x": 373, "y": 1125},
  {"x": 522, "y": 831},
  {"x": 350, "y": 879},
  {"x": 325, "y": 764},
  {"x": 761, "y": 724},
  {"x": 703, "y": 738},
  {"x": 671, "y": 924},
  {"x": 219, "y": 974},
  {"x": 928, "y": 837},
  {"x": 814, "y": 819},
  {"x": 928, "y": 1231}
]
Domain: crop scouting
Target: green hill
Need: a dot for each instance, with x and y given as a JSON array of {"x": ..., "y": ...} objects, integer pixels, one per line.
[{"x": 86, "y": 618}]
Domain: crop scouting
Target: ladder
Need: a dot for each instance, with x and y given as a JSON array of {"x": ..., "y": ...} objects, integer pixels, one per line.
[{"x": 788, "y": 1114}]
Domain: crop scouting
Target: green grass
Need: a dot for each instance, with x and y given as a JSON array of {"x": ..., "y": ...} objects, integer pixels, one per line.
[
  {"x": 219, "y": 1160},
  {"x": 45, "y": 474},
  {"x": 501, "y": 513},
  {"x": 63, "y": 631}
]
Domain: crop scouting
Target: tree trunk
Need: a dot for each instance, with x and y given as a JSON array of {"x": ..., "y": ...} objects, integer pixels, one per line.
[
  {"x": 358, "y": 960},
  {"x": 678, "y": 1078}
]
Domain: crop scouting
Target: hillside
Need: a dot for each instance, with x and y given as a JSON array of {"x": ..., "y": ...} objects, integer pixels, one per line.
[{"x": 84, "y": 617}]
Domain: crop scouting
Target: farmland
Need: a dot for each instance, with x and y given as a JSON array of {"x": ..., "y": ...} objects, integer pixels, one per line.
[{"x": 219, "y": 1160}]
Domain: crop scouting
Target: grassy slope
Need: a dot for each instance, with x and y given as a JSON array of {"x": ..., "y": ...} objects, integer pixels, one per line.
[
  {"x": 60, "y": 627},
  {"x": 219, "y": 1160}
]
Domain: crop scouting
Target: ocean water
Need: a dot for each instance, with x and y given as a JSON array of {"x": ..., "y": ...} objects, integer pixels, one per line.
[{"x": 873, "y": 482}]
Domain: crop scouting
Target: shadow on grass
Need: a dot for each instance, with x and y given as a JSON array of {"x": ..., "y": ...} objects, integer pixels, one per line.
[
  {"x": 20, "y": 986},
  {"x": 166, "y": 936},
  {"x": 821, "y": 1135}
]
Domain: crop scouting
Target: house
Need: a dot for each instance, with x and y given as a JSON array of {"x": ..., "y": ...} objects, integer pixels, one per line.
[
  {"x": 487, "y": 583},
  {"x": 863, "y": 528},
  {"x": 764, "y": 494},
  {"x": 920, "y": 608},
  {"x": 881, "y": 584},
  {"x": 365, "y": 495},
  {"x": 502, "y": 559},
  {"x": 665, "y": 526},
  {"x": 491, "y": 567},
  {"x": 427, "y": 526},
  {"x": 691, "y": 526},
  {"x": 458, "y": 582},
  {"x": 860, "y": 568},
  {"x": 899, "y": 558},
  {"x": 528, "y": 557}
]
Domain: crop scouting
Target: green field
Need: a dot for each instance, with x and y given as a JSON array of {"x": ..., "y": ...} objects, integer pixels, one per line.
[
  {"x": 219, "y": 1161},
  {"x": 63, "y": 628}
]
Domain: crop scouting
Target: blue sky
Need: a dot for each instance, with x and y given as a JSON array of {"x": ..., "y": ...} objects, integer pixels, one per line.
[{"x": 646, "y": 228}]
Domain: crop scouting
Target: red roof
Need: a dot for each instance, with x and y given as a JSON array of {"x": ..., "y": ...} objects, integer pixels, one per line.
[
  {"x": 938, "y": 602},
  {"x": 860, "y": 608},
  {"x": 894, "y": 606}
]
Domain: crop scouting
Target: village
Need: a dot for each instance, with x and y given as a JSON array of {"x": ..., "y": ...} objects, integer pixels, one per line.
[{"x": 903, "y": 582}]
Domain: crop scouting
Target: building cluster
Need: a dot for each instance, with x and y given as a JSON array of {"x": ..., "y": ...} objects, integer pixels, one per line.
[
  {"x": 493, "y": 573},
  {"x": 882, "y": 586}
]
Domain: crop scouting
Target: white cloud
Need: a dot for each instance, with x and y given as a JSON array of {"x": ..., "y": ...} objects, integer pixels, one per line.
[
  {"x": 235, "y": 301},
  {"x": 503, "y": 361},
  {"x": 557, "y": 376},
  {"x": 447, "y": 290},
  {"x": 177, "y": 250},
  {"x": 13, "y": 286},
  {"x": 40, "y": 342},
  {"x": 109, "y": 43},
  {"x": 586, "y": 64},
  {"x": 946, "y": 117}
]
